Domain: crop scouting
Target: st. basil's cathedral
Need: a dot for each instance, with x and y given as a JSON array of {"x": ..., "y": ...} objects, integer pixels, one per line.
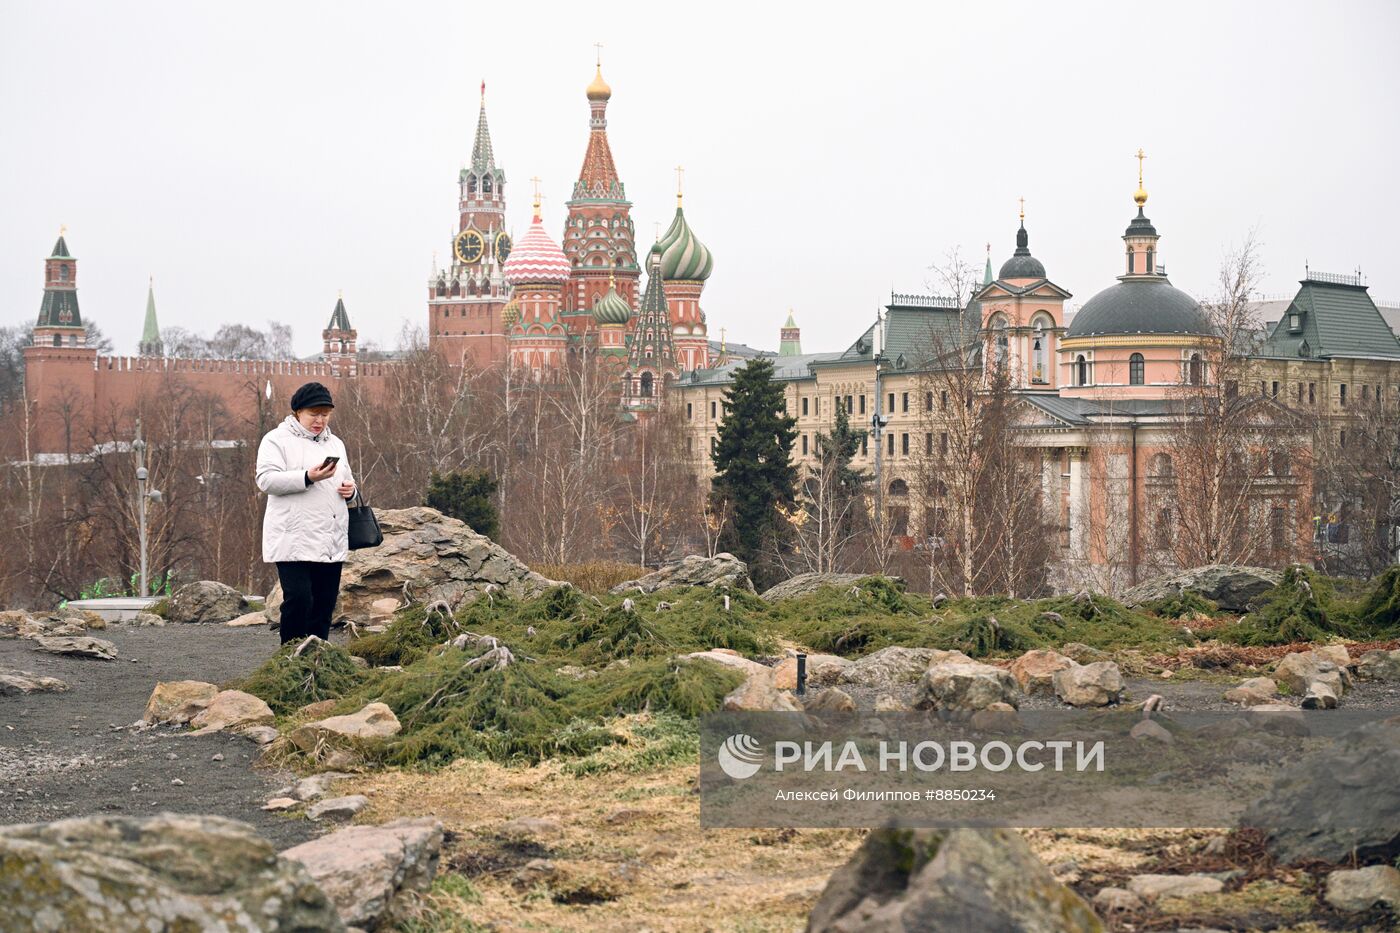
[{"x": 534, "y": 304}]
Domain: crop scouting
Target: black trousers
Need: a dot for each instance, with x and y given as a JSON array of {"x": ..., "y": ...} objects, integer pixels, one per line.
[{"x": 309, "y": 591}]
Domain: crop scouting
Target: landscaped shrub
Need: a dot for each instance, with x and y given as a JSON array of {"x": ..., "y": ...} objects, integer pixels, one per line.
[
  {"x": 296, "y": 676},
  {"x": 1301, "y": 608}
]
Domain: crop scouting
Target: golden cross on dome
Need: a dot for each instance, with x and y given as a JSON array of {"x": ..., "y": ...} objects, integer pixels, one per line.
[
  {"x": 1140, "y": 156},
  {"x": 599, "y": 47},
  {"x": 62, "y": 229},
  {"x": 657, "y": 224},
  {"x": 1023, "y": 209},
  {"x": 535, "y": 180},
  {"x": 680, "y": 178}
]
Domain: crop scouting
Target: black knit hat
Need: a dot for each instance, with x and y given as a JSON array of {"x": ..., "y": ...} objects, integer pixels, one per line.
[{"x": 312, "y": 395}]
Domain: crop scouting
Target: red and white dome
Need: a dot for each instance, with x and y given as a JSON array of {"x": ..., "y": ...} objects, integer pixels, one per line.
[{"x": 536, "y": 259}]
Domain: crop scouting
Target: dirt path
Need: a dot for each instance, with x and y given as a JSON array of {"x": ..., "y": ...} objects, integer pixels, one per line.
[{"x": 71, "y": 754}]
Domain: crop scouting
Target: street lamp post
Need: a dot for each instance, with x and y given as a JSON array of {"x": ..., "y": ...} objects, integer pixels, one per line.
[{"x": 142, "y": 494}]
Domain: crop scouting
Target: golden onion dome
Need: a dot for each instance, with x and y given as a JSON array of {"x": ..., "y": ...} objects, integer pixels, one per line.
[
  {"x": 510, "y": 314},
  {"x": 599, "y": 90},
  {"x": 1140, "y": 195}
]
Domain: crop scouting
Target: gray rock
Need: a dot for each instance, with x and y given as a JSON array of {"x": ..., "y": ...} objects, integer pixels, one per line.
[
  {"x": 1336, "y": 803},
  {"x": 78, "y": 646},
  {"x": 1230, "y": 588},
  {"x": 830, "y": 700},
  {"x": 721, "y": 571},
  {"x": 1301, "y": 669},
  {"x": 22, "y": 683},
  {"x": 1152, "y": 887},
  {"x": 1379, "y": 665},
  {"x": 893, "y": 666},
  {"x": 805, "y": 583},
  {"x": 317, "y": 785},
  {"x": 205, "y": 601},
  {"x": 960, "y": 686},
  {"x": 1364, "y": 888},
  {"x": 1097, "y": 684},
  {"x": 1110, "y": 899},
  {"x": 372, "y": 872},
  {"x": 142, "y": 619},
  {"x": 426, "y": 557},
  {"x": 337, "y": 808},
  {"x": 1319, "y": 696},
  {"x": 167, "y": 872},
  {"x": 1083, "y": 654},
  {"x": 901, "y": 881}
]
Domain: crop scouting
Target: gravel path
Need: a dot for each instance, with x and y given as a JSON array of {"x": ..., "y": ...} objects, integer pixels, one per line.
[{"x": 71, "y": 754}]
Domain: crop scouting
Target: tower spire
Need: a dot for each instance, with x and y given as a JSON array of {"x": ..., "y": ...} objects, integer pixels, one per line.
[
  {"x": 483, "y": 158},
  {"x": 151, "y": 344},
  {"x": 1140, "y": 196}
]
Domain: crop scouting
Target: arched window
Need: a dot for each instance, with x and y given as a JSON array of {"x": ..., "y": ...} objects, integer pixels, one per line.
[
  {"x": 1130, "y": 260},
  {"x": 486, "y": 184},
  {"x": 456, "y": 289},
  {"x": 1195, "y": 370},
  {"x": 899, "y": 488},
  {"x": 1135, "y": 370},
  {"x": 57, "y": 340},
  {"x": 1149, "y": 260},
  {"x": 1039, "y": 352},
  {"x": 63, "y": 273},
  {"x": 471, "y": 184},
  {"x": 646, "y": 385},
  {"x": 1161, "y": 465},
  {"x": 1002, "y": 344},
  {"x": 1081, "y": 371},
  {"x": 441, "y": 289}
]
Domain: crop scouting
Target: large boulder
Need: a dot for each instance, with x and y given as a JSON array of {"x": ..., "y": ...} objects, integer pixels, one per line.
[
  {"x": 902, "y": 881},
  {"x": 723, "y": 571},
  {"x": 759, "y": 693},
  {"x": 426, "y": 557},
  {"x": 822, "y": 670},
  {"x": 12, "y": 621},
  {"x": 1230, "y": 588},
  {"x": 22, "y": 683},
  {"x": 1035, "y": 670},
  {"x": 371, "y": 723},
  {"x": 77, "y": 646},
  {"x": 1379, "y": 665},
  {"x": 1338, "y": 802},
  {"x": 178, "y": 701},
  {"x": 233, "y": 710},
  {"x": 1301, "y": 669},
  {"x": 1097, "y": 684},
  {"x": 372, "y": 872},
  {"x": 205, "y": 601},
  {"x": 896, "y": 665},
  {"x": 965, "y": 687},
  {"x": 165, "y": 872},
  {"x": 1364, "y": 888},
  {"x": 805, "y": 583}
]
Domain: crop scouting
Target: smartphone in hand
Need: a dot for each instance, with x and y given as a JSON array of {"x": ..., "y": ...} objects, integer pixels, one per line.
[{"x": 329, "y": 462}]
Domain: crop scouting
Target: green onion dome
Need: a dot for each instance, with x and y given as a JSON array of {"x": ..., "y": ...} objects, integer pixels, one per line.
[
  {"x": 612, "y": 308},
  {"x": 684, "y": 257}
]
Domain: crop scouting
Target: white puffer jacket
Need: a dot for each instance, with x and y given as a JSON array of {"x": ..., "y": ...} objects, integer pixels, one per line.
[{"x": 302, "y": 522}]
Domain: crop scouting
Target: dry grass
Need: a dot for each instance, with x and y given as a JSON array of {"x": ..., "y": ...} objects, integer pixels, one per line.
[
  {"x": 629, "y": 854},
  {"x": 596, "y": 577}
]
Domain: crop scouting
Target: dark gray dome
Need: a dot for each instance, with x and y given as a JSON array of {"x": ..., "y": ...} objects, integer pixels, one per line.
[
  {"x": 1140, "y": 226},
  {"x": 1022, "y": 265},
  {"x": 1140, "y": 306}
]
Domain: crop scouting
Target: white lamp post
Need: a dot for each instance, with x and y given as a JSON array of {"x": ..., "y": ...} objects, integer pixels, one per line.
[{"x": 142, "y": 494}]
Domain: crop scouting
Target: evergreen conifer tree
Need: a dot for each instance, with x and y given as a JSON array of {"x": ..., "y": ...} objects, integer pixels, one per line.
[
  {"x": 753, "y": 464},
  {"x": 466, "y": 496}
]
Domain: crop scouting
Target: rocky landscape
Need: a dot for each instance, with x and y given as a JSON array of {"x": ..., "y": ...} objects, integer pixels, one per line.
[{"x": 482, "y": 748}]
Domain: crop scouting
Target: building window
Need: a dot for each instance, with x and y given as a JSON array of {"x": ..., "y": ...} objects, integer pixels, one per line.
[
  {"x": 1342, "y": 396},
  {"x": 865, "y": 445},
  {"x": 850, "y": 405},
  {"x": 1162, "y": 465},
  {"x": 1149, "y": 260},
  {"x": 904, "y": 402},
  {"x": 1312, "y": 393},
  {"x": 1299, "y": 399},
  {"x": 57, "y": 340},
  {"x": 804, "y": 406},
  {"x": 1081, "y": 371},
  {"x": 928, "y": 401},
  {"x": 943, "y": 400},
  {"x": 804, "y": 444},
  {"x": 862, "y": 404},
  {"x": 714, "y": 444},
  {"x": 890, "y": 438},
  {"x": 1136, "y": 374},
  {"x": 1195, "y": 372},
  {"x": 928, "y": 443},
  {"x": 1341, "y": 438},
  {"x": 1278, "y": 529},
  {"x": 1163, "y": 530},
  {"x": 943, "y": 442},
  {"x": 1365, "y": 393},
  {"x": 1130, "y": 260},
  {"x": 890, "y": 407},
  {"x": 689, "y": 411},
  {"x": 1038, "y": 343},
  {"x": 904, "y": 444},
  {"x": 712, "y": 411}
]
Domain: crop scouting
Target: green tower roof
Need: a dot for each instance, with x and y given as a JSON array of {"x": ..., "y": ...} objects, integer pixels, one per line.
[
  {"x": 339, "y": 319},
  {"x": 60, "y": 249},
  {"x": 150, "y": 331}
]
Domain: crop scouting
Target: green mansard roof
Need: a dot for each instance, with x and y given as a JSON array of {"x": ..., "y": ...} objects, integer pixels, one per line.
[{"x": 1335, "y": 317}]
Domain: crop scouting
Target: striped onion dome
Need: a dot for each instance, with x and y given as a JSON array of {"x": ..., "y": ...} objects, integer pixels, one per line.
[
  {"x": 684, "y": 257},
  {"x": 612, "y": 308},
  {"x": 510, "y": 314},
  {"x": 536, "y": 259}
]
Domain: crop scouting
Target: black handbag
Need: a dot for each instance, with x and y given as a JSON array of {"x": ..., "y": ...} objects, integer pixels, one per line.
[{"x": 364, "y": 527}]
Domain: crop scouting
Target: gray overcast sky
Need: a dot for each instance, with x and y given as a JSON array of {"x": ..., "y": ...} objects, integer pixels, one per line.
[{"x": 255, "y": 157}]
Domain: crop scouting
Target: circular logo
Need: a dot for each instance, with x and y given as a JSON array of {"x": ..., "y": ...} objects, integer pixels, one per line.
[{"x": 740, "y": 756}]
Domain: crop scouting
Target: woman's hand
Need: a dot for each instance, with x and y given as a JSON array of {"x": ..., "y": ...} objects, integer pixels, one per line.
[
  {"x": 347, "y": 490},
  {"x": 324, "y": 471}
]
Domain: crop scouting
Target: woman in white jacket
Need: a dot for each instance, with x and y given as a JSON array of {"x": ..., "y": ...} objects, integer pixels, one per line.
[{"x": 303, "y": 470}]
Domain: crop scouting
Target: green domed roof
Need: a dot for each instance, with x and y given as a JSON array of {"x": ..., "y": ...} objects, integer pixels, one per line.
[
  {"x": 612, "y": 308},
  {"x": 684, "y": 257}
]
